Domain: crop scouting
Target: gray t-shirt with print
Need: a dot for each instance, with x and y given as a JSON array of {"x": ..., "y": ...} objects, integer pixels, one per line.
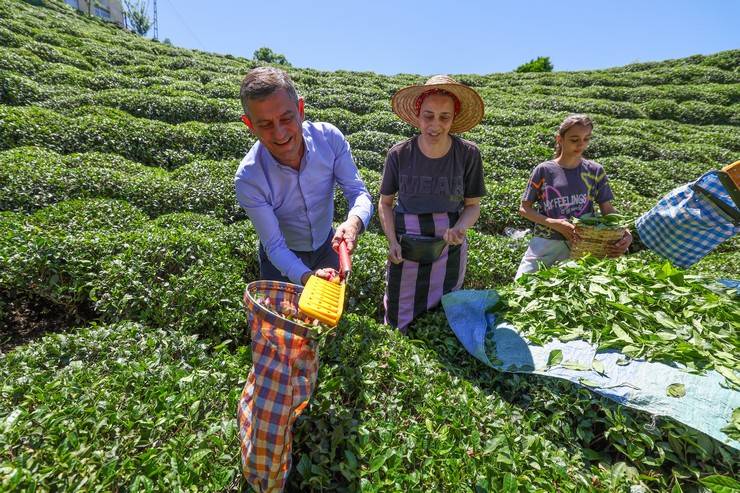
[
  {"x": 425, "y": 185},
  {"x": 562, "y": 193}
]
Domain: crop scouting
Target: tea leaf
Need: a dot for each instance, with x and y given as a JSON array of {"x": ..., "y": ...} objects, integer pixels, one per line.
[{"x": 676, "y": 390}]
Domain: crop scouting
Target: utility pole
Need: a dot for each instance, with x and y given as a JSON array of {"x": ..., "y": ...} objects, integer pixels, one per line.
[{"x": 156, "y": 24}]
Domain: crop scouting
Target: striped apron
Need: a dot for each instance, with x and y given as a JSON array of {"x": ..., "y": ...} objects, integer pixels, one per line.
[{"x": 412, "y": 288}]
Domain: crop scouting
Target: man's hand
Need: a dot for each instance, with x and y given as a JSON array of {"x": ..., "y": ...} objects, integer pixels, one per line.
[
  {"x": 394, "y": 252},
  {"x": 620, "y": 247},
  {"x": 347, "y": 231},
  {"x": 326, "y": 273},
  {"x": 454, "y": 236}
]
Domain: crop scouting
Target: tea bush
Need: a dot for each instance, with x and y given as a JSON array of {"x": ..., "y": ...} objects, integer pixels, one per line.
[
  {"x": 117, "y": 213},
  {"x": 120, "y": 406},
  {"x": 33, "y": 178}
]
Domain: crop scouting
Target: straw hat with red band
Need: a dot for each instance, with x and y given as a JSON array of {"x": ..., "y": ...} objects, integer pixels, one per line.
[{"x": 468, "y": 105}]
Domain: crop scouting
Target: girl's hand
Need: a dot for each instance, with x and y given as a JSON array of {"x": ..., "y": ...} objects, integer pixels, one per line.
[
  {"x": 620, "y": 247},
  {"x": 394, "y": 252},
  {"x": 454, "y": 236},
  {"x": 565, "y": 228}
]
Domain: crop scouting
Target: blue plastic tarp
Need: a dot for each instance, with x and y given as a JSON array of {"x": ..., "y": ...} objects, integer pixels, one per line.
[{"x": 707, "y": 405}]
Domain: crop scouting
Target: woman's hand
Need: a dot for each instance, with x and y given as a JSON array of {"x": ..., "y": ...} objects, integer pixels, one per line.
[
  {"x": 394, "y": 252},
  {"x": 620, "y": 247},
  {"x": 454, "y": 236}
]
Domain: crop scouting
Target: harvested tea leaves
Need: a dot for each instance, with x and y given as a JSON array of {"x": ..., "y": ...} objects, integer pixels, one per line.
[
  {"x": 644, "y": 310},
  {"x": 555, "y": 357},
  {"x": 676, "y": 390}
]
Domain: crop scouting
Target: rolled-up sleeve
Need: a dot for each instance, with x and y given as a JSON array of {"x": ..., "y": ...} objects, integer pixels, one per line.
[
  {"x": 349, "y": 180},
  {"x": 261, "y": 213}
]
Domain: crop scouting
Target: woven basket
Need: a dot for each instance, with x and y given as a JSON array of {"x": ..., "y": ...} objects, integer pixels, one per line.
[
  {"x": 595, "y": 240},
  {"x": 284, "y": 298}
]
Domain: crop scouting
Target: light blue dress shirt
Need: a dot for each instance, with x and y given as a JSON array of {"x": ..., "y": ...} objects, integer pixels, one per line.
[{"x": 293, "y": 210}]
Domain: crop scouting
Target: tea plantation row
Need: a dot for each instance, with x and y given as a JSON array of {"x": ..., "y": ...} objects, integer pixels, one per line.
[{"x": 119, "y": 230}]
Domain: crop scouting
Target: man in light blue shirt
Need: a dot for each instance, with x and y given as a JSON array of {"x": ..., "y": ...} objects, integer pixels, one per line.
[{"x": 286, "y": 182}]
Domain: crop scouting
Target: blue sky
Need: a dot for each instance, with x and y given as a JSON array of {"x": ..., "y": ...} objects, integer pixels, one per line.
[{"x": 431, "y": 37}]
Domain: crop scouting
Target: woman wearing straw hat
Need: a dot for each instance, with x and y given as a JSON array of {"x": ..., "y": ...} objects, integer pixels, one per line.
[{"x": 436, "y": 180}]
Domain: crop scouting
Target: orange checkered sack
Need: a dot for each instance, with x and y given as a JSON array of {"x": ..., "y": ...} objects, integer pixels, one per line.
[{"x": 283, "y": 375}]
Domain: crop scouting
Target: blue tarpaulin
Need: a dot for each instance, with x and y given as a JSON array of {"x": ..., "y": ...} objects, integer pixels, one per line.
[{"x": 707, "y": 405}]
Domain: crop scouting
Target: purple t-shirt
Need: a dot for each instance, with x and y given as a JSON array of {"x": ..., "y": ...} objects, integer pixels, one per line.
[
  {"x": 425, "y": 185},
  {"x": 562, "y": 193}
]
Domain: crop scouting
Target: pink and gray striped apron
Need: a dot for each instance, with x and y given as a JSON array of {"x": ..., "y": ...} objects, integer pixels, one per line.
[{"x": 413, "y": 288}]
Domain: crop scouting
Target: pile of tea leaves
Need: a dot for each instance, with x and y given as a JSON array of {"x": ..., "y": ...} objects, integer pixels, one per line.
[
  {"x": 598, "y": 221},
  {"x": 645, "y": 310}
]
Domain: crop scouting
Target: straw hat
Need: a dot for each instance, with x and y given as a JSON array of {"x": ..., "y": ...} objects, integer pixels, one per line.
[{"x": 471, "y": 104}]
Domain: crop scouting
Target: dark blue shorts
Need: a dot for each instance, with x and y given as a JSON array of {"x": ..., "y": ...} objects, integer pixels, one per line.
[{"x": 324, "y": 256}]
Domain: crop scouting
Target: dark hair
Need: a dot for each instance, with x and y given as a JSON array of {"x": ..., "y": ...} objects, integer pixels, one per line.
[
  {"x": 261, "y": 82},
  {"x": 568, "y": 123}
]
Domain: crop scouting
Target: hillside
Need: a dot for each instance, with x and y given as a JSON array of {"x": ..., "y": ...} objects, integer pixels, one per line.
[{"x": 123, "y": 258}]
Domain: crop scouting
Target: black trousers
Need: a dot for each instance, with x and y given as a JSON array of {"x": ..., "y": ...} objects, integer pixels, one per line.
[{"x": 324, "y": 256}]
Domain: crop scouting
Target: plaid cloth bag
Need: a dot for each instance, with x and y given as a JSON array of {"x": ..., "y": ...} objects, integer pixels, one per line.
[
  {"x": 283, "y": 376},
  {"x": 691, "y": 220}
]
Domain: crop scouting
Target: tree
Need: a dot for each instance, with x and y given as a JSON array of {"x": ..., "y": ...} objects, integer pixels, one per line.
[
  {"x": 266, "y": 55},
  {"x": 136, "y": 11},
  {"x": 541, "y": 64}
]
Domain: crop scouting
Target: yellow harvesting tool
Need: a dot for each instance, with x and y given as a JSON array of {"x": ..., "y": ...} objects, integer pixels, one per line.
[{"x": 324, "y": 300}]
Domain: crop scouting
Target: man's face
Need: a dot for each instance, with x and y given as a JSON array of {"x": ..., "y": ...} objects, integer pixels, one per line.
[{"x": 276, "y": 121}]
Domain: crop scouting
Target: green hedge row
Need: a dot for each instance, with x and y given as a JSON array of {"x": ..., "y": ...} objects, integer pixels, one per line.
[
  {"x": 719, "y": 94},
  {"x": 180, "y": 270},
  {"x": 32, "y": 178},
  {"x": 107, "y": 130},
  {"x": 118, "y": 48},
  {"x": 157, "y": 143},
  {"x": 120, "y": 407},
  {"x": 179, "y": 108},
  {"x": 108, "y": 45},
  {"x": 653, "y": 178},
  {"x": 608, "y": 140},
  {"x": 134, "y": 407},
  {"x": 694, "y": 112},
  {"x": 682, "y": 74}
]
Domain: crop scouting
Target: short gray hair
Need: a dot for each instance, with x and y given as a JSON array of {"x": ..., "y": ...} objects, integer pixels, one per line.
[{"x": 261, "y": 82}]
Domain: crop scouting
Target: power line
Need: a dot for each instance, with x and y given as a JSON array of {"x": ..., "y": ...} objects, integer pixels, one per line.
[{"x": 185, "y": 24}]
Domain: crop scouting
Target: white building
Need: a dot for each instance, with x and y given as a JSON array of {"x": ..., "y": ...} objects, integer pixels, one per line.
[{"x": 109, "y": 10}]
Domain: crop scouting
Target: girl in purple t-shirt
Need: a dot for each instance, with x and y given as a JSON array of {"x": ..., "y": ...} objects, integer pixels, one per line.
[{"x": 565, "y": 187}]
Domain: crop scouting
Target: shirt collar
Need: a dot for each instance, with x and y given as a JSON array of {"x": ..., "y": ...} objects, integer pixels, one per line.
[{"x": 308, "y": 139}]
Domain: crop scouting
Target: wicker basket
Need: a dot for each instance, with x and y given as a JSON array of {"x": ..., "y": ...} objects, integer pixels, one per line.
[
  {"x": 284, "y": 312},
  {"x": 595, "y": 240}
]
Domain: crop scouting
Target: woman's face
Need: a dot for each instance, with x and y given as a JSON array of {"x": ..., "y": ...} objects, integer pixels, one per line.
[
  {"x": 436, "y": 116},
  {"x": 575, "y": 140}
]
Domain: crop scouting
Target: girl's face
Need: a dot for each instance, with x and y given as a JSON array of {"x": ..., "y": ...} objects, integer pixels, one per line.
[
  {"x": 575, "y": 140},
  {"x": 435, "y": 117}
]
